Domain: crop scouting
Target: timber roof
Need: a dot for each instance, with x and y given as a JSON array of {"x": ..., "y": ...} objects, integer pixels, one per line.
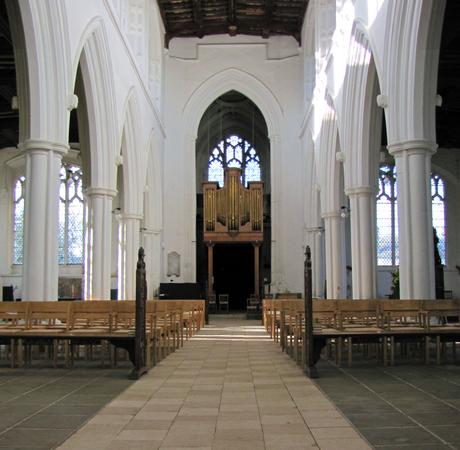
[{"x": 197, "y": 18}]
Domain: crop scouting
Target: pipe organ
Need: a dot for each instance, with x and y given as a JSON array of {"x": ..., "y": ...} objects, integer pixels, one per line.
[{"x": 233, "y": 213}]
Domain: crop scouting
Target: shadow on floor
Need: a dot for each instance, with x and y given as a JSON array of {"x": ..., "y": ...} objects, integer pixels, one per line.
[
  {"x": 401, "y": 407},
  {"x": 40, "y": 408}
]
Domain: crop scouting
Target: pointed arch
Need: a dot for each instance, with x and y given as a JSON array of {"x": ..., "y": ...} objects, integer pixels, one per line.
[
  {"x": 93, "y": 56},
  {"x": 133, "y": 169},
  {"x": 233, "y": 80},
  {"x": 48, "y": 64},
  {"x": 414, "y": 35},
  {"x": 361, "y": 117},
  {"x": 328, "y": 167}
]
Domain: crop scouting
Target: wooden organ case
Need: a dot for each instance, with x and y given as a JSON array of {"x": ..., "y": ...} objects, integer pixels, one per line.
[{"x": 233, "y": 214}]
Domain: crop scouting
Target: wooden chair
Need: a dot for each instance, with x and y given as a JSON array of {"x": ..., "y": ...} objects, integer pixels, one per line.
[
  {"x": 212, "y": 303},
  {"x": 223, "y": 302},
  {"x": 253, "y": 303}
]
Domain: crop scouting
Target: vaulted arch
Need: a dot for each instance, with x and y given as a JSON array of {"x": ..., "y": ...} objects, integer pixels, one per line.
[{"x": 93, "y": 57}]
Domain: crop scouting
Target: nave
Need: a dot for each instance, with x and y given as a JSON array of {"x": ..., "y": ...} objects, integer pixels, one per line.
[{"x": 229, "y": 387}]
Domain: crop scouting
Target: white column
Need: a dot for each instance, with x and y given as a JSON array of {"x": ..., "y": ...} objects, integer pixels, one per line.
[
  {"x": 128, "y": 242},
  {"x": 317, "y": 256},
  {"x": 152, "y": 247},
  {"x": 416, "y": 254},
  {"x": 336, "y": 277},
  {"x": 98, "y": 243},
  {"x": 363, "y": 253},
  {"x": 40, "y": 265}
]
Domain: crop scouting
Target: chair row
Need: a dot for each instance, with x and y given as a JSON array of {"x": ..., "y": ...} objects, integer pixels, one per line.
[
  {"x": 363, "y": 325},
  {"x": 68, "y": 324},
  {"x": 371, "y": 314}
]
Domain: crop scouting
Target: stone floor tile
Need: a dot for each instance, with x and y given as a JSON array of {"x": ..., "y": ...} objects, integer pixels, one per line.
[
  {"x": 343, "y": 444},
  {"x": 220, "y": 393},
  {"x": 141, "y": 435}
]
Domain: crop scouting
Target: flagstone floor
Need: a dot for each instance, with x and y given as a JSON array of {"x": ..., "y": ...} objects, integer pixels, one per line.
[{"x": 230, "y": 387}]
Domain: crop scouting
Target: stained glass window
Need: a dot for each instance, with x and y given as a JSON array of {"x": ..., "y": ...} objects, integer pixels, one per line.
[
  {"x": 234, "y": 151},
  {"x": 18, "y": 220},
  {"x": 70, "y": 215},
  {"x": 438, "y": 210},
  {"x": 387, "y": 219}
]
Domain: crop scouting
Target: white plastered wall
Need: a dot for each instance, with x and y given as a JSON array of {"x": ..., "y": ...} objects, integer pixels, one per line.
[{"x": 269, "y": 72}]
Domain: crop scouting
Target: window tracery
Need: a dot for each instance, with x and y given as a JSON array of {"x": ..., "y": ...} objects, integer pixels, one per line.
[
  {"x": 234, "y": 151},
  {"x": 387, "y": 216},
  {"x": 71, "y": 215},
  {"x": 18, "y": 220},
  {"x": 438, "y": 210}
]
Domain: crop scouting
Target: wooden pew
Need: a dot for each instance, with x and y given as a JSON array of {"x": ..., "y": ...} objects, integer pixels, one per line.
[
  {"x": 385, "y": 323},
  {"x": 99, "y": 323}
]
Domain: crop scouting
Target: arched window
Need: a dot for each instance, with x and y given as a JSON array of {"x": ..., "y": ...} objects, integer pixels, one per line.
[
  {"x": 387, "y": 218},
  {"x": 70, "y": 215},
  {"x": 18, "y": 220},
  {"x": 438, "y": 210},
  {"x": 234, "y": 151}
]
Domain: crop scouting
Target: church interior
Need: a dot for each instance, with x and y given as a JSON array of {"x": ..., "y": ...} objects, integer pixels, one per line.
[{"x": 291, "y": 163}]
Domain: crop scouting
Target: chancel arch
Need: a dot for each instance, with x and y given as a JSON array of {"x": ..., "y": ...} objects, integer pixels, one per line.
[{"x": 233, "y": 136}]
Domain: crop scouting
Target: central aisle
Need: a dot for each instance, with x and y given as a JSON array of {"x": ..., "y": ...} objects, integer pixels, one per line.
[{"x": 230, "y": 387}]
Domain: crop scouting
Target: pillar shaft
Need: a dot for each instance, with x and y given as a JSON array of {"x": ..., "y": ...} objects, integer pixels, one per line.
[
  {"x": 152, "y": 247},
  {"x": 416, "y": 254},
  {"x": 98, "y": 243},
  {"x": 363, "y": 254},
  {"x": 128, "y": 241},
  {"x": 256, "y": 269},
  {"x": 210, "y": 269},
  {"x": 315, "y": 239},
  {"x": 41, "y": 222},
  {"x": 335, "y": 256}
]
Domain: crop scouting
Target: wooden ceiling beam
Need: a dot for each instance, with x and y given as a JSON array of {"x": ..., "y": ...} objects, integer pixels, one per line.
[
  {"x": 268, "y": 18},
  {"x": 232, "y": 28},
  {"x": 198, "y": 17},
  {"x": 256, "y": 17}
]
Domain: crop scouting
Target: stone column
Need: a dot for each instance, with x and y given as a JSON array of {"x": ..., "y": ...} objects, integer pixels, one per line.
[
  {"x": 336, "y": 277},
  {"x": 210, "y": 246},
  {"x": 41, "y": 223},
  {"x": 416, "y": 254},
  {"x": 152, "y": 247},
  {"x": 363, "y": 241},
  {"x": 317, "y": 256},
  {"x": 98, "y": 243},
  {"x": 257, "y": 246},
  {"x": 128, "y": 242}
]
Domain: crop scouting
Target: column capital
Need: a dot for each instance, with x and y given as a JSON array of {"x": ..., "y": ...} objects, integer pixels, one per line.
[
  {"x": 360, "y": 190},
  {"x": 100, "y": 191},
  {"x": 413, "y": 146},
  {"x": 331, "y": 215},
  {"x": 41, "y": 145},
  {"x": 131, "y": 216},
  {"x": 152, "y": 231},
  {"x": 315, "y": 229}
]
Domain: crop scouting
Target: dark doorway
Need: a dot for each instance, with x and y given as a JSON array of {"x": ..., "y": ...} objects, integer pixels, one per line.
[{"x": 234, "y": 273}]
